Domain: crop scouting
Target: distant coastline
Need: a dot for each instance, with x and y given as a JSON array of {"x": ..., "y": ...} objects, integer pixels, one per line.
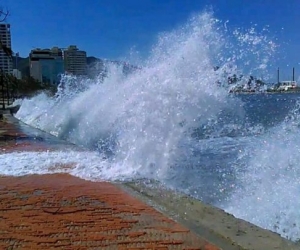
[{"x": 290, "y": 91}]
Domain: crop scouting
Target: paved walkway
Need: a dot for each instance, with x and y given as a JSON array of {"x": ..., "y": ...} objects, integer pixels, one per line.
[{"x": 60, "y": 211}]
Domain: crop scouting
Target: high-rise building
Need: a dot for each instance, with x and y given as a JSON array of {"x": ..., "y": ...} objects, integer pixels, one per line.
[
  {"x": 75, "y": 61},
  {"x": 46, "y": 65},
  {"x": 6, "y": 64}
]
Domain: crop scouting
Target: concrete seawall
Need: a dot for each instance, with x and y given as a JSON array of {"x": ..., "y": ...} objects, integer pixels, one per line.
[{"x": 62, "y": 211}]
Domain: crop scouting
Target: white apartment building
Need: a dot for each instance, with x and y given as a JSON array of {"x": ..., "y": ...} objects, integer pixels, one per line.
[
  {"x": 75, "y": 61},
  {"x": 5, "y": 37}
]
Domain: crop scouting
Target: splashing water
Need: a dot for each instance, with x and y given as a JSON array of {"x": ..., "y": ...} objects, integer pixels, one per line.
[
  {"x": 172, "y": 121},
  {"x": 141, "y": 118},
  {"x": 271, "y": 181}
]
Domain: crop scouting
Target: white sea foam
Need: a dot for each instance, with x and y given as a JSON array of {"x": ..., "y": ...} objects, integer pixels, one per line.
[
  {"x": 140, "y": 118},
  {"x": 140, "y": 124},
  {"x": 87, "y": 165},
  {"x": 271, "y": 182}
]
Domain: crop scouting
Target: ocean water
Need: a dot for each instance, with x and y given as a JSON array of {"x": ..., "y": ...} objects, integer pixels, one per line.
[{"x": 174, "y": 121}]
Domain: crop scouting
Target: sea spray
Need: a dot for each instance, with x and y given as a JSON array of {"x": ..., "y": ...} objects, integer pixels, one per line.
[
  {"x": 173, "y": 120},
  {"x": 139, "y": 119},
  {"x": 271, "y": 180}
]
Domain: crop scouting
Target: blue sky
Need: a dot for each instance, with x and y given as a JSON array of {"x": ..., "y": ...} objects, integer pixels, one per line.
[{"x": 109, "y": 28}]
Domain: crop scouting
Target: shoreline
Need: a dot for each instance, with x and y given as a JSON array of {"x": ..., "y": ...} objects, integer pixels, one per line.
[
  {"x": 60, "y": 210},
  {"x": 265, "y": 93}
]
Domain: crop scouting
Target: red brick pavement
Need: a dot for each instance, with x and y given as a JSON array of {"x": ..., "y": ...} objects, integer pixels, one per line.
[{"x": 64, "y": 212}]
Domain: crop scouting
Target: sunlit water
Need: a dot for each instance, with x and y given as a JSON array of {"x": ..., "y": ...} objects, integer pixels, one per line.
[{"x": 171, "y": 121}]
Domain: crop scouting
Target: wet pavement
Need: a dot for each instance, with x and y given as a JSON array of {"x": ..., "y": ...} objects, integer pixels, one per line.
[{"x": 17, "y": 136}]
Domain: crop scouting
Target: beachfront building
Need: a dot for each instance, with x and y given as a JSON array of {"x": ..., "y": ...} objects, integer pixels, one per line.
[
  {"x": 6, "y": 64},
  {"x": 75, "y": 61},
  {"x": 46, "y": 65}
]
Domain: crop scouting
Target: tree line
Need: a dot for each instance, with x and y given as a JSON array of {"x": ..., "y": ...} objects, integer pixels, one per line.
[{"x": 25, "y": 87}]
